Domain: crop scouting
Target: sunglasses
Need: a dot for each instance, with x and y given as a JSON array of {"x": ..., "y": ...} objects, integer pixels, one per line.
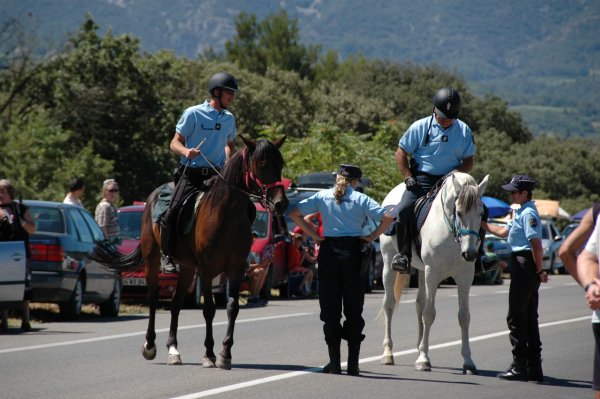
[{"x": 114, "y": 190}]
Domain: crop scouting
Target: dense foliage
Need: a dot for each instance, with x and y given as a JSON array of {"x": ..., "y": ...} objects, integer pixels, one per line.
[{"x": 102, "y": 108}]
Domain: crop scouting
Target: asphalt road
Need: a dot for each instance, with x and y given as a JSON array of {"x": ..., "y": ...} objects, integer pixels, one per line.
[{"x": 279, "y": 350}]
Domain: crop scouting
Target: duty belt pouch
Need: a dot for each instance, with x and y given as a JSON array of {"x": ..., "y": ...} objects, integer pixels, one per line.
[{"x": 366, "y": 250}]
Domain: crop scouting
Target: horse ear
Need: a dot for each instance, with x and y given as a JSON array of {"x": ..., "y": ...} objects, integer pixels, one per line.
[
  {"x": 279, "y": 142},
  {"x": 456, "y": 183},
  {"x": 251, "y": 144},
  {"x": 483, "y": 185}
]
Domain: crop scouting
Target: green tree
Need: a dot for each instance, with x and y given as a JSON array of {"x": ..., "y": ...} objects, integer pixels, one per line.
[{"x": 271, "y": 43}]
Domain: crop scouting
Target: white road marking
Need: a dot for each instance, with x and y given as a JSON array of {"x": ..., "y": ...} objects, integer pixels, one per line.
[
  {"x": 241, "y": 385},
  {"x": 143, "y": 333}
]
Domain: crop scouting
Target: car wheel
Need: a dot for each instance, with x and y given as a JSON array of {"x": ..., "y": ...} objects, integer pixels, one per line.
[
  {"x": 194, "y": 299},
  {"x": 71, "y": 309},
  {"x": 110, "y": 308},
  {"x": 265, "y": 292}
]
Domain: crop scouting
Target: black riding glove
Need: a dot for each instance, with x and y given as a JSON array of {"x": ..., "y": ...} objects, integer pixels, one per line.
[{"x": 411, "y": 184}]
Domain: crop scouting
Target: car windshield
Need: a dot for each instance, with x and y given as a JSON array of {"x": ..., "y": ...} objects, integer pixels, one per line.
[
  {"x": 130, "y": 224},
  {"x": 260, "y": 225},
  {"x": 47, "y": 220}
]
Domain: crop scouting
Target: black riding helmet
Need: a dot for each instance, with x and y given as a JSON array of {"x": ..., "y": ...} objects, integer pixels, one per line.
[
  {"x": 447, "y": 102},
  {"x": 224, "y": 80}
]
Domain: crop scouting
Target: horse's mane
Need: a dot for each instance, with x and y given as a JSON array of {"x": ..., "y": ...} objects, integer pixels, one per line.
[
  {"x": 234, "y": 170},
  {"x": 469, "y": 192}
]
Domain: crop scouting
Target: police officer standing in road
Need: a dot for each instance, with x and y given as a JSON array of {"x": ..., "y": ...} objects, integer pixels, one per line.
[
  {"x": 524, "y": 234},
  {"x": 204, "y": 139},
  {"x": 438, "y": 144},
  {"x": 341, "y": 283}
]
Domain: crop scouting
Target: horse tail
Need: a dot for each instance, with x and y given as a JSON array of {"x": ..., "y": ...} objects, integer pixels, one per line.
[
  {"x": 399, "y": 284},
  {"x": 107, "y": 255}
]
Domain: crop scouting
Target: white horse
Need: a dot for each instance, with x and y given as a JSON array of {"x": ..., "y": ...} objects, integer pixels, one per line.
[{"x": 450, "y": 240}]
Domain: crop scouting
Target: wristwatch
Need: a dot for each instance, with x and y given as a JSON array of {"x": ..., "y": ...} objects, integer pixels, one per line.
[{"x": 588, "y": 285}]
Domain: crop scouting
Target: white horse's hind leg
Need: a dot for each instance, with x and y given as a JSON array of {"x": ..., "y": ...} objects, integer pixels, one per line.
[{"x": 463, "y": 284}]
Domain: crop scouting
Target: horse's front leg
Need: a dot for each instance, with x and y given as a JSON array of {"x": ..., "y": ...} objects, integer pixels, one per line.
[
  {"x": 208, "y": 311},
  {"x": 463, "y": 284},
  {"x": 233, "y": 308},
  {"x": 183, "y": 283},
  {"x": 428, "y": 316}
]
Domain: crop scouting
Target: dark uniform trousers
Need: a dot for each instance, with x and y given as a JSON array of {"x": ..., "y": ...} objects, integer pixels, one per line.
[
  {"x": 426, "y": 183},
  {"x": 340, "y": 284},
  {"x": 522, "y": 316}
]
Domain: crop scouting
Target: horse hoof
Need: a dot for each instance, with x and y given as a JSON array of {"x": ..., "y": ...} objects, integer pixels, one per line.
[
  {"x": 387, "y": 360},
  {"x": 174, "y": 360},
  {"x": 208, "y": 362},
  {"x": 423, "y": 366},
  {"x": 470, "y": 370},
  {"x": 223, "y": 363},
  {"x": 149, "y": 353}
]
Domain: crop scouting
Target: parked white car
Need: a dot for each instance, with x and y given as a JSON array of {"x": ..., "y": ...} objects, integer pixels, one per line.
[{"x": 12, "y": 277}]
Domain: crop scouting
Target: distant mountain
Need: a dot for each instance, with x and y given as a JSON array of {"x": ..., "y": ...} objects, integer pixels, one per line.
[{"x": 542, "y": 56}]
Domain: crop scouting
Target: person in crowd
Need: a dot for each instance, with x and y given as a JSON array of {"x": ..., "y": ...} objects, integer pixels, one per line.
[
  {"x": 298, "y": 253},
  {"x": 576, "y": 240},
  {"x": 585, "y": 270},
  {"x": 491, "y": 259},
  {"x": 524, "y": 234},
  {"x": 258, "y": 269},
  {"x": 16, "y": 215},
  {"x": 76, "y": 191},
  {"x": 437, "y": 144},
  {"x": 341, "y": 285},
  {"x": 204, "y": 140},
  {"x": 106, "y": 211}
]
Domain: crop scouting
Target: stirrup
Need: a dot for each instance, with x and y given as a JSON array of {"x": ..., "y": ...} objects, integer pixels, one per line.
[
  {"x": 401, "y": 263},
  {"x": 167, "y": 265}
]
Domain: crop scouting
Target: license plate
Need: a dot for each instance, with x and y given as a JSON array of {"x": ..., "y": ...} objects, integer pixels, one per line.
[{"x": 137, "y": 281}]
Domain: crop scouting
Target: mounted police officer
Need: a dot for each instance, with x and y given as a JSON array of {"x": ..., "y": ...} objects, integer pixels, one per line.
[
  {"x": 341, "y": 283},
  {"x": 204, "y": 139},
  {"x": 438, "y": 144}
]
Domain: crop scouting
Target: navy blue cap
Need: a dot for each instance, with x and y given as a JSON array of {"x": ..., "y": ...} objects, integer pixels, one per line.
[
  {"x": 520, "y": 183},
  {"x": 350, "y": 171}
]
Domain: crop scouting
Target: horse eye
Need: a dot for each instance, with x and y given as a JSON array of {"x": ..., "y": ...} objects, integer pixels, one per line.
[{"x": 459, "y": 213}]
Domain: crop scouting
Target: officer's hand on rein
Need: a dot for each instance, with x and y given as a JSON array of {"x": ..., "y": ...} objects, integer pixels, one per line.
[{"x": 411, "y": 184}]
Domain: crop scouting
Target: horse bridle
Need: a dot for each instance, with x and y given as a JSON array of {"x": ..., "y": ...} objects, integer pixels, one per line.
[
  {"x": 455, "y": 227},
  {"x": 249, "y": 177}
]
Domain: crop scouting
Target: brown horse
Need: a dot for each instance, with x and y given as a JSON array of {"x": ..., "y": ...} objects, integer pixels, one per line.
[{"x": 219, "y": 242}]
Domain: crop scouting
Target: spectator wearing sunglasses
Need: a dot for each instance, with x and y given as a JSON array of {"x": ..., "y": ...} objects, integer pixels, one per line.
[{"x": 106, "y": 211}]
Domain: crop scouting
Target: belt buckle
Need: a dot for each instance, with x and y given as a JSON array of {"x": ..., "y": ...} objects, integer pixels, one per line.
[{"x": 204, "y": 171}]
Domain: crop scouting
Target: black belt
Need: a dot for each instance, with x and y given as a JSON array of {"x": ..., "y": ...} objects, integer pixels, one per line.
[
  {"x": 428, "y": 175},
  {"x": 522, "y": 253},
  {"x": 200, "y": 171},
  {"x": 342, "y": 238}
]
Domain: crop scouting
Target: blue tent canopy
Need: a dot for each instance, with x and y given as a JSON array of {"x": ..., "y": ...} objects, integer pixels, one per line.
[
  {"x": 496, "y": 207},
  {"x": 579, "y": 215}
]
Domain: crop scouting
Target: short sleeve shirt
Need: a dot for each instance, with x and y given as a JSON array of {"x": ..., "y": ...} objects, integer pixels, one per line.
[
  {"x": 203, "y": 122},
  {"x": 345, "y": 219},
  {"x": 526, "y": 226},
  {"x": 593, "y": 246},
  {"x": 438, "y": 151},
  {"x": 106, "y": 216}
]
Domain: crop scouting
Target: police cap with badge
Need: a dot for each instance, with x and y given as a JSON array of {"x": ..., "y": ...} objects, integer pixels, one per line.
[
  {"x": 350, "y": 171},
  {"x": 520, "y": 183}
]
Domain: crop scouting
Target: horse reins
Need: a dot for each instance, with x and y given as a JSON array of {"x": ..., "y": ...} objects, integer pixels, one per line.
[
  {"x": 455, "y": 227},
  {"x": 249, "y": 176}
]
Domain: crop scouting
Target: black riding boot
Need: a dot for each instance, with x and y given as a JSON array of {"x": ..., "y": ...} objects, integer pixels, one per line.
[
  {"x": 534, "y": 371},
  {"x": 333, "y": 367},
  {"x": 516, "y": 372},
  {"x": 353, "y": 354},
  {"x": 166, "y": 245},
  {"x": 401, "y": 261}
]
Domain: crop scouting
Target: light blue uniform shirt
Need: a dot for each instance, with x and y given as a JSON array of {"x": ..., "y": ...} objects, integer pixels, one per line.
[
  {"x": 526, "y": 226},
  {"x": 345, "y": 219},
  {"x": 443, "y": 151},
  {"x": 204, "y": 122}
]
